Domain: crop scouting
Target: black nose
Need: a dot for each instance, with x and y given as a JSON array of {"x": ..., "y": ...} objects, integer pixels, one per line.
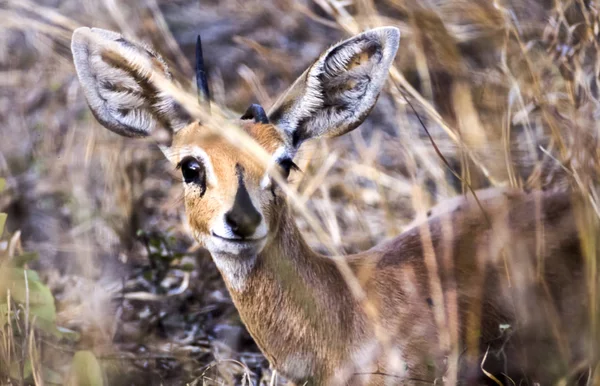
[
  {"x": 243, "y": 223},
  {"x": 243, "y": 218}
]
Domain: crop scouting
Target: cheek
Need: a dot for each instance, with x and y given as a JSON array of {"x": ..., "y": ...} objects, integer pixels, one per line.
[
  {"x": 271, "y": 207},
  {"x": 201, "y": 212}
]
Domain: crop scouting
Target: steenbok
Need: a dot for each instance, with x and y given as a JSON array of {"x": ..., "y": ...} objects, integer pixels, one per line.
[{"x": 493, "y": 287}]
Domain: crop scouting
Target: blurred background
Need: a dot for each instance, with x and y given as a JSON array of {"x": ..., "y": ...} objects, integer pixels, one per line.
[{"x": 483, "y": 93}]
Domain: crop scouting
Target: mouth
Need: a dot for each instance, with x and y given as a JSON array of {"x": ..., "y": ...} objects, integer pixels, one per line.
[{"x": 240, "y": 241}]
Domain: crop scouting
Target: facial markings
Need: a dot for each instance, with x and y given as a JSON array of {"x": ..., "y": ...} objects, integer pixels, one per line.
[
  {"x": 243, "y": 218},
  {"x": 279, "y": 154},
  {"x": 225, "y": 165},
  {"x": 199, "y": 154},
  {"x": 194, "y": 173}
]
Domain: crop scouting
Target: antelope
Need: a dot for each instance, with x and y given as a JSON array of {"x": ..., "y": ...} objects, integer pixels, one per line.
[{"x": 488, "y": 286}]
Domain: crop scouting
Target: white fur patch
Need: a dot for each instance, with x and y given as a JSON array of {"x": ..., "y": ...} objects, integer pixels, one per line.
[
  {"x": 200, "y": 154},
  {"x": 220, "y": 228},
  {"x": 278, "y": 155},
  {"x": 234, "y": 261}
]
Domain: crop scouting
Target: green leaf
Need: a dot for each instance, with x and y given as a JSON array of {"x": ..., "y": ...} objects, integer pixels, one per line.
[
  {"x": 25, "y": 258},
  {"x": 2, "y": 184},
  {"x": 41, "y": 301},
  {"x": 19, "y": 274},
  {"x": 85, "y": 370},
  {"x": 3, "y": 217}
]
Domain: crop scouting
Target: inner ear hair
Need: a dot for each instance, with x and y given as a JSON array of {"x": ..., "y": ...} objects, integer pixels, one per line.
[
  {"x": 359, "y": 59},
  {"x": 338, "y": 91},
  {"x": 117, "y": 79},
  {"x": 149, "y": 91}
]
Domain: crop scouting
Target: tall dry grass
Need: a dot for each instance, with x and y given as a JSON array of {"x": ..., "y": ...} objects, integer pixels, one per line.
[{"x": 483, "y": 93}]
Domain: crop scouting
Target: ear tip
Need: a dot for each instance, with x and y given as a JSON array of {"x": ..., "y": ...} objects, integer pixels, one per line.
[
  {"x": 81, "y": 31},
  {"x": 389, "y": 38},
  {"x": 391, "y": 30},
  {"x": 79, "y": 35},
  {"x": 390, "y": 34}
]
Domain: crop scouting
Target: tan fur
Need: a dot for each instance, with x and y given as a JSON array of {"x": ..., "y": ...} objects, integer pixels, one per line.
[
  {"x": 297, "y": 302},
  {"x": 224, "y": 157},
  {"x": 503, "y": 275},
  {"x": 304, "y": 318}
]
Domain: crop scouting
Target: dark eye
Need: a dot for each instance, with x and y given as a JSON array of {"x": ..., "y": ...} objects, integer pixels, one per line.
[
  {"x": 192, "y": 171},
  {"x": 287, "y": 165}
]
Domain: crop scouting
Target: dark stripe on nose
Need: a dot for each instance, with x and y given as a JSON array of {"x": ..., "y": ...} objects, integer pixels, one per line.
[{"x": 243, "y": 218}]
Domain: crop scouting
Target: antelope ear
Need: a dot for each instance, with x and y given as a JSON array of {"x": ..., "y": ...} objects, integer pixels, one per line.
[
  {"x": 117, "y": 79},
  {"x": 339, "y": 90}
]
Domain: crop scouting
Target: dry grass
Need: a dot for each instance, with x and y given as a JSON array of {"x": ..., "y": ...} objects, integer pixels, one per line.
[{"x": 507, "y": 91}]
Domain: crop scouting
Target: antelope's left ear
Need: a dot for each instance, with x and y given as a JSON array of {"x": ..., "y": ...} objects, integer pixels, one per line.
[{"x": 339, "y": 90}]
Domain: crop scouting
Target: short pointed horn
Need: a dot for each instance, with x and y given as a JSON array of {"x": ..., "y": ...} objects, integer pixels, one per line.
[
  {"x": 201, "y": 80},
  {"x": 256, "y": 112}
]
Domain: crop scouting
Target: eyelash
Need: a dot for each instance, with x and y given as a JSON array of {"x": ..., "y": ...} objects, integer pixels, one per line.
[
  {"x": 196, "y": 175},
  {"x": 288, "y": 166}
]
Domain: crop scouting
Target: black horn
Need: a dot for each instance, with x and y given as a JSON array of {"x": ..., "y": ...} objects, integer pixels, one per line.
[
  {"x": 201, "y": 80},
  {"x": 256, "y": 112}
]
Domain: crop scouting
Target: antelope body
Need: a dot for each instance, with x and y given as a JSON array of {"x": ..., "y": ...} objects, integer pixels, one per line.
[{"x": 502, "y": 275}]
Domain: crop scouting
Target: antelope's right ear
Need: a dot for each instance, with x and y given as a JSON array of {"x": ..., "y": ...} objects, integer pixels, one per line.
[
  {"x": 117, "y": 79},
  {"x": 339, "y": 90}
]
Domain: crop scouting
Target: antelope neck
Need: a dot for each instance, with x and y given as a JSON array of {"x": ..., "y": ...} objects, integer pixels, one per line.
[{"x": 295, "y": 304}]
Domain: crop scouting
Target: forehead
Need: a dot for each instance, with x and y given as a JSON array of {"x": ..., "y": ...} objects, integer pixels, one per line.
[{"x": 222, "y": 154}]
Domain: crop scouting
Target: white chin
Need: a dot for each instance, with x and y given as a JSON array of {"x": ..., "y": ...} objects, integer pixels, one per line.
[{"x": 220, "y": 246}]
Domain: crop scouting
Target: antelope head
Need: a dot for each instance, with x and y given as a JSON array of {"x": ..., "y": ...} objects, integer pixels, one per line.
[{"x": 232, "y": 202}]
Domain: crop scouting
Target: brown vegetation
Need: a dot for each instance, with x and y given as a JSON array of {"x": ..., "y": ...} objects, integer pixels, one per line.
[{"x": 506, "y": 91}]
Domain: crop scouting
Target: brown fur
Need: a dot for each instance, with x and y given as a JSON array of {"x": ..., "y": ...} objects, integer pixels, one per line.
[
  {"x": 298, "y": 307},
  {"x": 304, "y": 318},
  {"x": 503, "y": 275},
  {"x": 224, "y": 157}
]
